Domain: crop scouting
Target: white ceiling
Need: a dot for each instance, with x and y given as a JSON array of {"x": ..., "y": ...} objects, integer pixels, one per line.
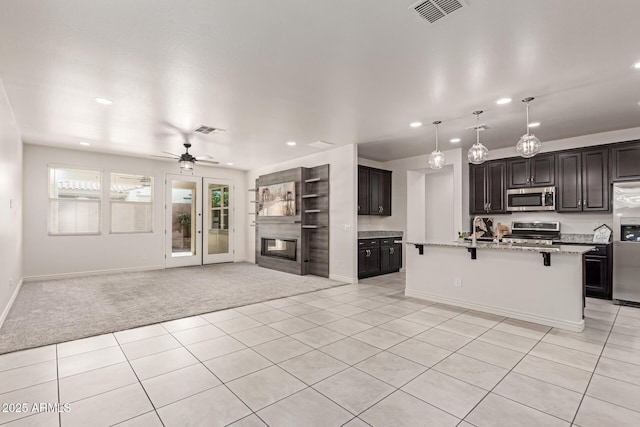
[{"x": 356, "y": 71}]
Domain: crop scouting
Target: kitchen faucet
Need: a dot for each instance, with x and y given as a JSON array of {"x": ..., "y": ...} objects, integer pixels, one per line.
[{"x": 474, "y": 240}]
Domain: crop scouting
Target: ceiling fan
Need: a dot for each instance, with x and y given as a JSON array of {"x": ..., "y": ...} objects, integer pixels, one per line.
[{"x": 187, "y": 160}]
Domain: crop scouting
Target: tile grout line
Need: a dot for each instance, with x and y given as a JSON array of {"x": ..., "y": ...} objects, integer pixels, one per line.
[
  {"x": 594, "y": 373},
  {"x": 140, "y": 383},
  {"x": 502, "y": 379},
  {"x": 58, "y": 387}
]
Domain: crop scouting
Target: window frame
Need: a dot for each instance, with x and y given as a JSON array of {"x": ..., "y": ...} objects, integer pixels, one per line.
[
  {"x": 112, "y": 202},
  {"x": 51, "y": 199}
]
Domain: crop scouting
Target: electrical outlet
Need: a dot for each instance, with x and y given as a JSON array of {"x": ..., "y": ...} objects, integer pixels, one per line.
[
  {"x": 347, "y": 227},
  {"x": 457, "y": 282}
]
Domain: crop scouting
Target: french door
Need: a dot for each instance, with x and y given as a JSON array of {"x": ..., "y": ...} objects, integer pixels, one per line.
[{"x": 199, "y": 220}]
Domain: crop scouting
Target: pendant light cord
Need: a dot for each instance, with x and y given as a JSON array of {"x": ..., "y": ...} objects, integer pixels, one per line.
[
  {"x": 528, "y": 118},
  {"x": 478, "y": 128},
  {"x": 437, "y": 137}
]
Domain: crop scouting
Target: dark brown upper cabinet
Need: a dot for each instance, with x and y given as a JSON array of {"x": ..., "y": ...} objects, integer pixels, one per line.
[
  {"x": 487, "y": 188},
  {"x": 583, "y": 181},
  {"x": 538, "y": 171},
  {"x": 626, "y": 161},
  {"x": 363, "y": 190},
  {"x": 374, "y": 191}
]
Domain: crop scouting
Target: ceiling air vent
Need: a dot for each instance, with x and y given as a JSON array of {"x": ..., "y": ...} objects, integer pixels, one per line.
[
  {"x": 432, "y": 10},
  {"x": 208, "y": 129},
  {"x": 481, "y": 127},
  {"x": 321, "y": 144}
]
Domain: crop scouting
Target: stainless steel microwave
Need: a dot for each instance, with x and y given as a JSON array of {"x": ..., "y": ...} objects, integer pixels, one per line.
[{"x": 531, "y": 199}]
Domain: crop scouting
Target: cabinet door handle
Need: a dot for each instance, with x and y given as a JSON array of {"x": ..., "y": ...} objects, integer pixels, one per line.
[
  {"x": 579, "y": 202},
  {"x": 368, "y": 253},
  {"x": 358, "y": 208},
  {"x": 391, "y": 251}
]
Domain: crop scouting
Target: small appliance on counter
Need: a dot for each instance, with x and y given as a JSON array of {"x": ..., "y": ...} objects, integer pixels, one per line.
[
  {"x": 626, "y": 243},
  {"x": 533, "y": 233}
]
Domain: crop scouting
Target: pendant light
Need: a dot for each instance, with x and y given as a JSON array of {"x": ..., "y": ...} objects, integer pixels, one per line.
[
  {"x": 529, "y": 145},
  {"x": 436, "y": 159},
  {"x": 478, "y": 153}
]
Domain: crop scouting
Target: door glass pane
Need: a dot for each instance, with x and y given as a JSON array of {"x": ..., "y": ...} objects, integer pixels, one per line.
[
  {"x": 183, "y": 203},
  {"x": 218, "y": 219}
]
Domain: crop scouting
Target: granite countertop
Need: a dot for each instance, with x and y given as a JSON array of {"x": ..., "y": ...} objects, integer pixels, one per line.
[
  {"x": 557, "y": 249},
  {"x": 377, "y": 234},
  {"x": 578, "y": 239}
]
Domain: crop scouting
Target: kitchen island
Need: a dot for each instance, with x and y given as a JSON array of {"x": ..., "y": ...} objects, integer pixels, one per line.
[{"x": 536, "y": 284}]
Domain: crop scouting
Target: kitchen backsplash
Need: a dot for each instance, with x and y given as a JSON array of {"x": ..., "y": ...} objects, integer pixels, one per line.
[{"x": 569, "y": 223}]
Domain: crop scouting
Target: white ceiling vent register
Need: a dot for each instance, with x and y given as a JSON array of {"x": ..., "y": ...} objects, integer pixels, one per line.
[
  {"x": 322, "y": 144},
  {"x": 208, "y": 129},
  {"x": 432, "y": 10}
]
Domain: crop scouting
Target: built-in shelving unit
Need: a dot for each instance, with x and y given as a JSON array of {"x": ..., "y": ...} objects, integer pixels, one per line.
[{"x": 315, "y": 220}]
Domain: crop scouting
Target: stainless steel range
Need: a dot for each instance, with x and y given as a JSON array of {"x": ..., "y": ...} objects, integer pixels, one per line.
[{"x": 533, "y": 233}]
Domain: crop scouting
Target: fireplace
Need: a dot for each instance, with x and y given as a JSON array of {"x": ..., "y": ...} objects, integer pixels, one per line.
[{"x": 279, "y": 248}]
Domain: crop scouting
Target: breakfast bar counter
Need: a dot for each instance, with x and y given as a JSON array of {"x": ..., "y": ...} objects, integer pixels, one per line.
[{"x": 501, "y": 278}]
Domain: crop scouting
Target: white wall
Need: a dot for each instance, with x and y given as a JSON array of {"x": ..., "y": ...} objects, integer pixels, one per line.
[
  {"x": 440, "y": 224},
  {"x": 46, "y": 255},
  {"x": 343, "y": 199},
  {"x": 10, "y": 206}
]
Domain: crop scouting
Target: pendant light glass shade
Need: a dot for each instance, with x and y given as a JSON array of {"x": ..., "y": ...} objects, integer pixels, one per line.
[
  {"x": 529, "y": 145},
  {"x": 436, "y": 159},
  {"x": 478, "y": 153}
]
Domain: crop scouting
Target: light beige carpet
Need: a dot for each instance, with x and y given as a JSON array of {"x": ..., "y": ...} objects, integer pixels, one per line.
[{"x": 54, "y": 311}]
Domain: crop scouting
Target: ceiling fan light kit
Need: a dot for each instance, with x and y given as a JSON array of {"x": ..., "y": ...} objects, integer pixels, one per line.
[
  {"x": 528, "y": 145},
  {"x": 478, "y": 153},
  {"x": 437, "y": 158}
]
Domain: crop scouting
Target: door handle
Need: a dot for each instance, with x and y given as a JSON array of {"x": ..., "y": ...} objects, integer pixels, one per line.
[
  {"x": 368, "y": 253},
  {"x": 391, "y": 251},
  {"x": 199, "y": 231}
]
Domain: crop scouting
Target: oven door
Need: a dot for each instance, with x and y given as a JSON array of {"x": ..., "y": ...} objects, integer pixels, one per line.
[{"x": 531, "y": 199}]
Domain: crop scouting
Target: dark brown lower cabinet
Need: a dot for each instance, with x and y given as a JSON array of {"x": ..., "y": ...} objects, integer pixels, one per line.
[
  {"x": 378, "y": 256},
  {"x": 390, "y": 258},
  {"x": 598, "y": 272}
]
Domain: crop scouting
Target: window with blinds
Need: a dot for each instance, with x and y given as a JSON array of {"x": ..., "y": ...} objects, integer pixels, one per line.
[
  {"x": 74, "y": 201},
  {"x": 131, "y": 198}
]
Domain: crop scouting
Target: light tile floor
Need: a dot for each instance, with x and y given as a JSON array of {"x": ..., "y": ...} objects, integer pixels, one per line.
[{"x": 354, "y": 355}]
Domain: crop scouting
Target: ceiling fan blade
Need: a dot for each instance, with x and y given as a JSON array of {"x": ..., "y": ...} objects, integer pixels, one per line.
[
  {"x": 205, "y": 157},
  {"x": 211, "y": 162},
  {"x": 173, "y": 154},
  {"x": 165, "y": 157}
]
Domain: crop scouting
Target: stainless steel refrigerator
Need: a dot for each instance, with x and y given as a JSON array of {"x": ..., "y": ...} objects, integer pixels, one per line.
[{"x": 626, "y": 242}]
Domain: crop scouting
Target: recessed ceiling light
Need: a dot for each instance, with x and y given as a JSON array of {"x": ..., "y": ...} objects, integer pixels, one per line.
[
  {"x": 637, "y": 65},
  {"x": 229, "y": 163},
  {"x": 104, "y": 101},
  {"x": 291, "y": 143},
  {"x": 455, "y": 140},
  {"x": 534, "y": 124},
  {"x": 503, "y": 101},
  {"x": 415, "y": 124},
  {"x": 86, "y": 144}
]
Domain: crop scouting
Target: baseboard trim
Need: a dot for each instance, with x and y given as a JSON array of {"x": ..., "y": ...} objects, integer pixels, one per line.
[
  {"x": 92, "y": 273},
  {"x": 345, "y": 279},
  {"x": 556, "y": 323},
  {"x": 5, "y": 313}
]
